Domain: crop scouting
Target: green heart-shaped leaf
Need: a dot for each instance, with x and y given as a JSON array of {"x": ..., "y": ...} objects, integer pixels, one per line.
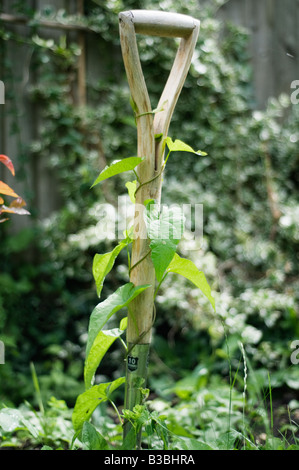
[
  {"x": 189, "y": 270},
  {"x": 118, "y": 167}
]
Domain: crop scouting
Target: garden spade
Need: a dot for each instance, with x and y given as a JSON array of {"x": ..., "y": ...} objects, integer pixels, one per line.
[{"x": 152, "y": 129}]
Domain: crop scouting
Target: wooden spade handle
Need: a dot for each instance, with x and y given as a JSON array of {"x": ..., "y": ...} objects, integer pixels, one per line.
[
  {"x": 160, "y": 23},
  {"x": 149, "y": 125}
]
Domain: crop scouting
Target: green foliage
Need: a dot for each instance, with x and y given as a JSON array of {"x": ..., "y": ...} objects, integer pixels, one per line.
[
  {"x": 180, "y": 146},
  {"x": 91, "y": 439},
  {"x": 248, "y": 253},
  {"x": 165, "y": 231},
  {"x": 101, "y": 344},
  {"x": 188, "y": 269},
  {"x": 88, "y": 401},
  {"x": 102, "y": 265},
  {"x": 25, "y": 428}
]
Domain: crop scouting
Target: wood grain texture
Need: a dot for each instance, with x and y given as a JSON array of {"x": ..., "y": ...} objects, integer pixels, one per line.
[{"x": 160, "y": 23}]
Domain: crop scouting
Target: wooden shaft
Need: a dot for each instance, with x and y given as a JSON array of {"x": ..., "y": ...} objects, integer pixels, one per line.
[{"x": 141, "y": 308}]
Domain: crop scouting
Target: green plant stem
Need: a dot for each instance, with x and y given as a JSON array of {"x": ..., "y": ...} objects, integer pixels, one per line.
[
  {"x": 140, "y": 337},
  {"x": 136, "y": 376},
  {"x": 155, "y": 111},
  {"x": 137, "y": 177},
  {"x": 116, "y": 411},
  {"x": 37, "y": 389},
  {"x": 147, "y": 182},
  {"x": 129, "y": 258},
  {"x": 271, "y": 407},
  {"x": 123, "y": 343},
  {"x": 159, "y": 285}
]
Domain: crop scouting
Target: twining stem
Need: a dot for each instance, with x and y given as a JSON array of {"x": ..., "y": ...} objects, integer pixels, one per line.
[
  {"x": 159, "y": 285},
  {"x": 155, "y": 177},
  {"x": 155, "y": 111},
  {"x": 144, "y": 333},
  {"x": 147, "y": 182},
  {"x": 123, "y": 343},
  {"x": 139, "y": 261},
  {"x": 129, "y": 258},
  {"x": 137, "y": 177}
]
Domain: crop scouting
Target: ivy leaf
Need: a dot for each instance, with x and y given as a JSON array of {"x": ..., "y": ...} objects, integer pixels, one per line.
[
  {"x": 104, "y": 310},
  {"x": 165, "y": 231},
  {"x": 100, "y": 346},
  {"x": 102, "y": 265},
  {"x": 88, "y": 401},
  {"x": 189, "y": 270},
  {"x": 180, "y": 146},
  {"x": 7, "y": 162},
  {"x": 118, "y": 167}
]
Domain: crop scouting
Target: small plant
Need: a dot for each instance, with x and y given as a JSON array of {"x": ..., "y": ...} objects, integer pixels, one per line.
[
  {"x": 49, "y": 427},
  {"x": 165, "y": 230},
  {"x": 16, "y": 206}
]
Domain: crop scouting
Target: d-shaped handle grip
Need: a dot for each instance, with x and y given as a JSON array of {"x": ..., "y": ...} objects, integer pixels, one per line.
[{"x": 160, "y": 23}]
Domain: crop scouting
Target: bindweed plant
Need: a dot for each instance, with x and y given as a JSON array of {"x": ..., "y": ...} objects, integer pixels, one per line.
[{"x": 164, "y": 231}]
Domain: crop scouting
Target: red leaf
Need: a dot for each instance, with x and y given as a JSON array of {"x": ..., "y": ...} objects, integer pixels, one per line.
[
  {"x": 5, "y": 189},
  {"x": 7, "y": 162}
]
